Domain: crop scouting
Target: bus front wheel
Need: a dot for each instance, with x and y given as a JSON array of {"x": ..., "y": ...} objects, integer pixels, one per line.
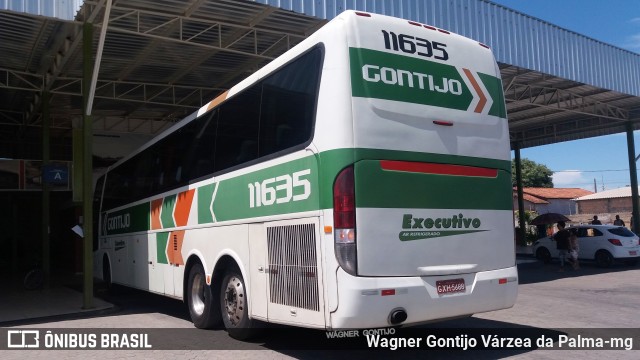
[
  {"x": 234, "y": 306},
  {"x": 201, "y": 300}
]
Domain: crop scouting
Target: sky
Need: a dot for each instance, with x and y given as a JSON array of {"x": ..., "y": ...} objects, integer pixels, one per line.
[{"x": 603, "y": 159}]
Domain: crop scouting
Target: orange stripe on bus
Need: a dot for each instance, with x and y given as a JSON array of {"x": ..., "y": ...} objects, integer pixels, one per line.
[
  {"x": 156, "y": 205},
  {"x": 183, "y": 207},
  {"x": 174, "y": 247},
  {"x": 215, "y": 102},
  {"x": 474, "y": 83}
]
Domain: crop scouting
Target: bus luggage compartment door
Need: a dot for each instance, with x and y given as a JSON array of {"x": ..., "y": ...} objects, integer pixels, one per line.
[{"x": 294, "y": 282}]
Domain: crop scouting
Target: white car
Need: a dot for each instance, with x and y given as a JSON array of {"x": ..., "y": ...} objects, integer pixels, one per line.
[{"x": 605, "y": 244}]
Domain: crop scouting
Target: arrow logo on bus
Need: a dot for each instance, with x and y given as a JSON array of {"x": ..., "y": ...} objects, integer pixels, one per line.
[{"x": 481, "y": 98}]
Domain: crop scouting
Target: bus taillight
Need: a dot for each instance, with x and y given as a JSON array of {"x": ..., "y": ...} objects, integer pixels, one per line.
[{"x": 344, "y": 220}]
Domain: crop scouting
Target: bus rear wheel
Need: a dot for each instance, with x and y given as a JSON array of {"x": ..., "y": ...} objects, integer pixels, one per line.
[
  {"x": 201, "y": 300},
  {"x": 234, "y": 306}
]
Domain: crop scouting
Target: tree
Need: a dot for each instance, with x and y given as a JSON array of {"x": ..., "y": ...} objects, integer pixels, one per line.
[{"x": 533, "y": 174}]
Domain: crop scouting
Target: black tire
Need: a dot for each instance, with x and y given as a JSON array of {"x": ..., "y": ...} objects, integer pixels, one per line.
[
  {"x": 202, "y": 304},
  {"x": 34, "y": 279},
  {"x": 234, "y": 306},
  {"x": 603, "y": 258},
  {"x": 543, "y": 255}
]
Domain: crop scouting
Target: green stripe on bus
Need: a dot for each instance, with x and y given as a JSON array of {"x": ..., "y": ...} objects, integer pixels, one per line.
[
  {"x": 233, "y": 198},
  {"x": 381, "y": 75},
  {"x": 166, "y": 217},
  {"x": 494, "y": 87},
  {"x": 287, "y": 188},
  {"x": 132, "y": 219},
  {"x": 162, "y": 239},
  {"x": 205, "y": 195},
  {"x": 377, "y": 188},
  {"x": 331, "y": 162}
]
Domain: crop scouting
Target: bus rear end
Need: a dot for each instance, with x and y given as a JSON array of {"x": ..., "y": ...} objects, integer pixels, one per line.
[{"x": 422, "y": 217}]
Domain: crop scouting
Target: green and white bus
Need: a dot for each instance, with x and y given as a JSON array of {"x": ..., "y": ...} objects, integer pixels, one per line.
[{"x": 360, "y": 180}]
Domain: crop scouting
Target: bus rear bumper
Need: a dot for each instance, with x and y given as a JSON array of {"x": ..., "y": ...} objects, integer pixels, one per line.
[{"x": 367, "y": 302}]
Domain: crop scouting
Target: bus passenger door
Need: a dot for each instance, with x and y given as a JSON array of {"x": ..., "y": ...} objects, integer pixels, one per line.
[
  {"x": 294, "y": 279},
  {"x": 138, "y": 263},
  {"x": 119, "y": 268},
  {"x": 156, "y": 277}
]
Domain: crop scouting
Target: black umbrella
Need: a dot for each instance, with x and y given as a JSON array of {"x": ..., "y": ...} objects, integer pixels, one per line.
[{"x": 549, "y": 218}]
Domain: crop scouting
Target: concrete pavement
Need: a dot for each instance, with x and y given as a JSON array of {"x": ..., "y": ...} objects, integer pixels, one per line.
[{"x": 62, "y": 298}]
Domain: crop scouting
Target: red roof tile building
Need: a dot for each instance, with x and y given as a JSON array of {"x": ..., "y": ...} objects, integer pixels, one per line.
[{"x": 546, "y": 200}]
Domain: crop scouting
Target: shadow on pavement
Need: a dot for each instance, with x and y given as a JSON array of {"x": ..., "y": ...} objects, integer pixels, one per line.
[
  {"x": 535, "y": 271},
  {"x": 62, "y": 298}
]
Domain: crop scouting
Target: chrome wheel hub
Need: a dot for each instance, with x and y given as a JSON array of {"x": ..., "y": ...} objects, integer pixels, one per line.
[
  {"x": 197, "y": 294},
  {"x": 234, "y": 300}
]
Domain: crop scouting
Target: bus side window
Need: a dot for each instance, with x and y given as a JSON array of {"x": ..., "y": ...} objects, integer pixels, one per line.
[
  {"x": 178, "y": 178},
  {"x": 248, "y": 151},
  {"x": 238, "y": 129},
  {"x": 288, "y": 104},
  {"x": 199, "y": 156},
  {"x": 284, "y": 136}
]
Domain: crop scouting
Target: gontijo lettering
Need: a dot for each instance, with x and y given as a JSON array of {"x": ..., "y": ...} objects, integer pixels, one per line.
[
  {"x": 390, "y": 76},
  {"x": 119, "y": 222}
]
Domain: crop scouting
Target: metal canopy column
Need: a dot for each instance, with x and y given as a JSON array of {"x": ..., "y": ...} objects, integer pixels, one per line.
[
  {"x": 633, "y": 175},
  {"x": 46, "y": 195},
  {"x": 521, "y": 221},
  {"x": 88, "y": 93},
  {"x": 87, "y": 167}
]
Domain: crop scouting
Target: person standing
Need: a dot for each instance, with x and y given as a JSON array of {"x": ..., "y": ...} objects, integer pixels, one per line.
[
  {"x": 562, "y": 243},
  {"x": 595, "y": 220},
  {"x": 574, "y": 248},
  {"x": 618, "y": 221}
]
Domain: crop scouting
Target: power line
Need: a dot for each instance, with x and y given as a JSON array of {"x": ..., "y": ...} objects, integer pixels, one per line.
[
  {"x": 587, "y": 171},
  {"x": 591, "y": 183}
]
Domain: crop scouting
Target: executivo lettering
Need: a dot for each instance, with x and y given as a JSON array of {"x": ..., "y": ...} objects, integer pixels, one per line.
[{"x": 438, "y": 227}]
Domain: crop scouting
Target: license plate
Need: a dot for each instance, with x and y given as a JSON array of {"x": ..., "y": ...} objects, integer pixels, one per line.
[
  {"x": 450, "y": 286},
  {"x": 634, "y": 253}
]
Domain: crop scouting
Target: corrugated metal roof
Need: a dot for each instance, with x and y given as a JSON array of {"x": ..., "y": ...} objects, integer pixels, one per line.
[
  {"x": 62, "y": 9},
  {"x": 559, "y": 85},
  {"x": 517, "y": 39},
  {"x": 162, "y": 60},
  {"x": 609, "y": 194}
]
